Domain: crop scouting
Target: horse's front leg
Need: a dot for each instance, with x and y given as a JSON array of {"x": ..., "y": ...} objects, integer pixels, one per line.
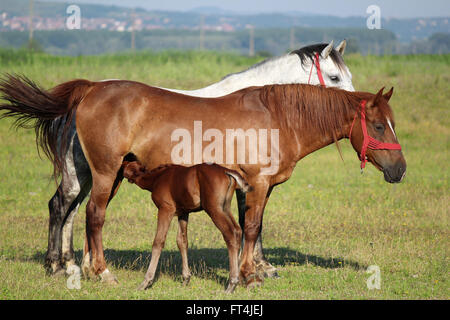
[
  {"x": 258, "y": 255},
  {"x": 262, "y": 264},
  {"x": 165, "y": 215},
  {"x": 255, "y": 202}
]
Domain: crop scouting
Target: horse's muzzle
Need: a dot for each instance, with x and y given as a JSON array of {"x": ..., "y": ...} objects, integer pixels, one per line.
[{"x": 394, "y": 174}]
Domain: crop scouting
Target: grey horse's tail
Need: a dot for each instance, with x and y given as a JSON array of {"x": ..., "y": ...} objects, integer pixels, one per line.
[{"x": 242, "y": 184}]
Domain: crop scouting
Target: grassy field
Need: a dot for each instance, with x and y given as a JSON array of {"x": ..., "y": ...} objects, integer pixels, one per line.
[{"x": 322, "y": 228}]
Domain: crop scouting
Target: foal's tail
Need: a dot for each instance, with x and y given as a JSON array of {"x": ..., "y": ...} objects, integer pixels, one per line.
[
  {"x": 43, "y": 110},
  {"x": 241, "y": 183}
]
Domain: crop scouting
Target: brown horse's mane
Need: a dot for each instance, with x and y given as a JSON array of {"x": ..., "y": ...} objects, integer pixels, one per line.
[{"x": 311, "y": 107}]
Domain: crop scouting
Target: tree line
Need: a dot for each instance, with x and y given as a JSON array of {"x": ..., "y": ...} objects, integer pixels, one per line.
[{"x": 266, "y": 41}]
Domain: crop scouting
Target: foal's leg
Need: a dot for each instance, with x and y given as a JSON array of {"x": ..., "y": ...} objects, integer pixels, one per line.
[
  {"x": 165, "y": 215},
  {"x": 231, "y": 232},
  {"x": 182, "y": 242}
]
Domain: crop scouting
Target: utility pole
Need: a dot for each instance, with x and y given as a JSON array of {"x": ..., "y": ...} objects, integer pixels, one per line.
[
  {"x": 30, "y": 27},
  {"x": 133, "y": 35},
  {"x": 202, "y": 32},
  {"x": 251, "y": 47},
  {"x": 292, "y": 39}
]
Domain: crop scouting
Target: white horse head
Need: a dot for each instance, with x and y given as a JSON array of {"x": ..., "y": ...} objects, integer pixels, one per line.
[
  {"x": 294, "y": 67},
  {"x": 334, "y": 71}
]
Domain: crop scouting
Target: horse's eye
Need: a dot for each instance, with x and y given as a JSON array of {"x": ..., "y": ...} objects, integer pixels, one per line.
[
  {"x": 334, "y": 78},
  {"x": 379, "y": 127}
]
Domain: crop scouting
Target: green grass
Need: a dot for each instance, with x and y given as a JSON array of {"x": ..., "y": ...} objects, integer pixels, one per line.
[{"x": 322, "y": 228}]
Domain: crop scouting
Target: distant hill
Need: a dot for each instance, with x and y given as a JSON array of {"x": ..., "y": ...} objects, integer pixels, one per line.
[
  {"x": 274, "y": 33},
  {"x": 406, "y": 30}
]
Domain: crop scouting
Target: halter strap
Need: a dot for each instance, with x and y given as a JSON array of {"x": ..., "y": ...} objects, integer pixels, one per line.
[
  {"x": 319, "y": 72},
  {"x": 370, "y": 142}
]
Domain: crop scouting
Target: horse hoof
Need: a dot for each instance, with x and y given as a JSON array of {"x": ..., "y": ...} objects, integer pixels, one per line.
[
  {"x": 186, "y": 281},
  {"x": 254, "y": 284},
  {"x": 88, "y": 273},
  {"x": 54, "y": 269},
  {"x": 231, "y": 287},
  {"x": 268, "y": 270},
  {"x": 144, "y": 286},
  {"x": 271, "y": 273},
  {"x": 58, "y": 273},
  {"x": 107, "y": 277},
  {"x": 86, "y": 268},
  {"x": 253, "y": 281}
]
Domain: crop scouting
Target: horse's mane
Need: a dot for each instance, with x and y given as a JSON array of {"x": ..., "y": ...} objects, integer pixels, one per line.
[
  {"x": 311, "y": 107},
  {"x": 308, "y": 52},
  {"x": 304, "y": 54}
]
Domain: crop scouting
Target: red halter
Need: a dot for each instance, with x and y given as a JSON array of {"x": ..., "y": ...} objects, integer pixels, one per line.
[
  {"x": 319, "y": 73},
  {"x": 370, "y": 142}
]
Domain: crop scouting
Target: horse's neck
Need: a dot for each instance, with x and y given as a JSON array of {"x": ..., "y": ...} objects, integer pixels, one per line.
[
  {"x": 281, "y": 70},
  {"x": 308, "y": 146},
  {"x": 313, "y": 140},
  {"x": 153, "y": 176}
]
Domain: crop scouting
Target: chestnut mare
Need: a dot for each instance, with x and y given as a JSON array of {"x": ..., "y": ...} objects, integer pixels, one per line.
[
  {"x": 178, "y": 190},
  {"x": 116, "y": 120},
  {"x": 299, "y": 66}
]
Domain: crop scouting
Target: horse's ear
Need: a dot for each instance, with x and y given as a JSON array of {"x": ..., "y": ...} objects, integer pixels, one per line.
[
  {"x": 388, "y": 94},
  {"x": 374, "y": 100},
  {"x": 341, "y": 47},
  {"x": 326, "y": 51}
]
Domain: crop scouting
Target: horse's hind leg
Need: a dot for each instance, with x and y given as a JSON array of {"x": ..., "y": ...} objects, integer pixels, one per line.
[
  {"x": 62, "y": 207},
  {"x": 79, "y": 185},
  {"x": 53, "y": 255},
  {"x": 103, "y": 189},
  {"x": 182, "y": 242},
  {"x": 75, "y": 185},
  {"x": 68, "y": 255},
  {"x": 165, "y": 215}
]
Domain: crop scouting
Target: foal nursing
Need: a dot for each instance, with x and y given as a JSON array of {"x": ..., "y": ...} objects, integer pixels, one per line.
[{"x": 178, "y": 190}]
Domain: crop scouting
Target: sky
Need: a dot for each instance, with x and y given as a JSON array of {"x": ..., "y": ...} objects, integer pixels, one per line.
[{"x": 342, "y": 8}]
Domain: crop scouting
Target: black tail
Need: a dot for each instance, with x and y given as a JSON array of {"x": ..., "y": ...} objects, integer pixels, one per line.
[{"x": 36, "y": 108}]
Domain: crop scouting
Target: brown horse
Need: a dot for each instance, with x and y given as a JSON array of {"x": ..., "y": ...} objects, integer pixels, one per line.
[
  {"x": 119, "y": 119},
  {"x": 178, "y": 190}
]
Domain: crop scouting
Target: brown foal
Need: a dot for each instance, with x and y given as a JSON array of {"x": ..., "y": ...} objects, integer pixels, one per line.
[{"x": 178, "y": 190}]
